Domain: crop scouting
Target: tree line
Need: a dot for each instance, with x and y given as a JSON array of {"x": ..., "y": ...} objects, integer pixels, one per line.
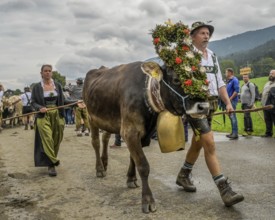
[
  {"x": 261, "y": 60},
  {"x": 56, "y": 76}
]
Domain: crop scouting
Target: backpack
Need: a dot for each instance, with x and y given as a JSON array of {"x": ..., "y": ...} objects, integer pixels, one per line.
[{"x": 257, "y": 93}]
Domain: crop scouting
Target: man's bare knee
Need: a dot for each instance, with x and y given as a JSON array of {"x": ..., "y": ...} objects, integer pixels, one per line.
[{"x": 208, "y": 143}]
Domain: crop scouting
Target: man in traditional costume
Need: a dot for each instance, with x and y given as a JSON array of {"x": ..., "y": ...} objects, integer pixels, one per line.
[
  {"x": 203, "y": 136},
  {"x": 81, "y": 114}
]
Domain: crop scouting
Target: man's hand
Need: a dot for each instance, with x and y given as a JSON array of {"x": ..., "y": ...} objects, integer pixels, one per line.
[{"x": 229, "y": 108}]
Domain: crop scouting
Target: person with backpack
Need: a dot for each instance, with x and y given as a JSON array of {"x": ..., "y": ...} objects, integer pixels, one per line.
[{"x": 248, "y": 94}]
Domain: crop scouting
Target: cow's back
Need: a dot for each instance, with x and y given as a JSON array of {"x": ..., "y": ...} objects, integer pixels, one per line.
[{"x": 111, "y": 94}]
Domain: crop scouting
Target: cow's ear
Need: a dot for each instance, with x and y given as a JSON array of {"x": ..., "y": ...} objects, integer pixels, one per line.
[{"x": 152, "y": 69}]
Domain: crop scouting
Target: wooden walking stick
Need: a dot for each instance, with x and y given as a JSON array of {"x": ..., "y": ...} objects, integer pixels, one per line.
[
  {"x": 259, "y": 113},
  {"x": 246, "y": 110},
  {"x": 49, "y": 109},
  {"x": 217, "y": 121}
]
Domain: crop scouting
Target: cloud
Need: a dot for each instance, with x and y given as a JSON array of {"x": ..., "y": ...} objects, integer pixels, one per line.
[
  {"x": 78, "y": 35},
  {"x": 153, "y": 8}
]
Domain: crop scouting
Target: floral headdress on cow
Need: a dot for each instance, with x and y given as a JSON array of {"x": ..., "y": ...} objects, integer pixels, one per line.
[{"x": 173, "y": 44}]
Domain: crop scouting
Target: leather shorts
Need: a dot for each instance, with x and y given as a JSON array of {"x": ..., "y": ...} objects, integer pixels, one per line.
[{"x": 199, "y": 125}]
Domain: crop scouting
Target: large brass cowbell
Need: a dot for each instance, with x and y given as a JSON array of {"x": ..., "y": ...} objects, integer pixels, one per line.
[{"x": 170, "y": 132}]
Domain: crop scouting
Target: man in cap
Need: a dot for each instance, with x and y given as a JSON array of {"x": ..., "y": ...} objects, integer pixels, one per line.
[
  {"x": 203, "y": 137},
  {"x": 81, "y": 115}
]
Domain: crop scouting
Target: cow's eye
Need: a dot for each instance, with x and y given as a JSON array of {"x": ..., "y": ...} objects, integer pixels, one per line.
[{"x": 176, "y": 81}]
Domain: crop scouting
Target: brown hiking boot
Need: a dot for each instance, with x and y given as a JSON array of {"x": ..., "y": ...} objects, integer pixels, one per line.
[
  {"x": 229, "y": 197},
  {"x": 184, "y": 180}
]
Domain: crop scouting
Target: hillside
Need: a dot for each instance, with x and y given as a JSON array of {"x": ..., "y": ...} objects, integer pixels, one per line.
[
  {"x": 265, "y": 50},
  {"x": 242, "y": 42}
]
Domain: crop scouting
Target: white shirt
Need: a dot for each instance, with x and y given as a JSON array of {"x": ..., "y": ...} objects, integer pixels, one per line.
[
  {"x": 266, "y": 90},
  {"x": 213, "y": 84},
  {"x": 24, "y": 98},
  {"x": 1, "y": 95}
]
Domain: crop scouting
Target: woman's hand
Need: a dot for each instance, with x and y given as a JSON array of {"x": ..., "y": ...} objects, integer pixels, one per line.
[
  {"x": 43, "y": 110},
  {"x": 81, "y": 104}
]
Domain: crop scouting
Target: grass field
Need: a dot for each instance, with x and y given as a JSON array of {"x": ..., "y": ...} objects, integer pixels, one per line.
[{"x": 257, "y": 117}]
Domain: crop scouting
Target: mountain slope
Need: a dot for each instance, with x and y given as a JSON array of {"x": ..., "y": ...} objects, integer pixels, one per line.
[
  {"x": 265, "y": 50},
  {"x": 242, "y": 42}
]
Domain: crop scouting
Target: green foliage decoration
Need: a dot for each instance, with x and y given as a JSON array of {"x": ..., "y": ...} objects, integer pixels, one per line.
[{"x": 173, "y": 44}]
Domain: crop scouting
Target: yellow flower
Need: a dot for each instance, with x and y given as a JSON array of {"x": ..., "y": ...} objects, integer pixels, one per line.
[{"x": 169, "y": 22}]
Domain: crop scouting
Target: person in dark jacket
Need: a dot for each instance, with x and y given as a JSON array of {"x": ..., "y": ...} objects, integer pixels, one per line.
[
  {"x": 49, "y": 124},
  {"x": 268, "y": 98}
]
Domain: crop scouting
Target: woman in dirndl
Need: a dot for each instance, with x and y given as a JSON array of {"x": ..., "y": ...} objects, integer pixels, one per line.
[{"x": 49, "y": 124}]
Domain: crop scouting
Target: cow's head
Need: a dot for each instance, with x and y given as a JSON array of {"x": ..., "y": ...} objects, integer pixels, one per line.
[
  {"x": 174, "y": 98},
  {"x": 172, "y": 94},
  {"x": 8, "y": 105}
]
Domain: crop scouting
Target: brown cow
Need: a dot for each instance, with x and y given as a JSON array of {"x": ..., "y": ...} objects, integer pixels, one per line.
[{"x": 117, "y": 102}]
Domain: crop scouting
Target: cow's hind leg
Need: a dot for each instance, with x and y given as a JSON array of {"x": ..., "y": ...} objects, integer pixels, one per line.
[
  {"x": 100, "y": 170},
  {"x": 132, "y": 178},
  {"x": 105, "y": 141}
]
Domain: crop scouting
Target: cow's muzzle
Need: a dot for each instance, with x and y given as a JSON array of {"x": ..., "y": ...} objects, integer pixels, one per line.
[{"x": 199, "y": 109}]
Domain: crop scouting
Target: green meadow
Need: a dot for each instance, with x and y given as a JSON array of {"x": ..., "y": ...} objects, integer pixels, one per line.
[{"x": 257, "y": 117}]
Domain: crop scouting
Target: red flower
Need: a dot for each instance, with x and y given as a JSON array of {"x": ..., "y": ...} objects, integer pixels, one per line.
[
  {"x": 156, "y": 40},
  {"x": 206, "y": 82},
  {"x": 178, "y": 60},
  {"x": 194, "y": 68},
  {"x": 188, "y": 82},
  {"x": 186, "y": 31},
  {"x": 185, "y": 48}
]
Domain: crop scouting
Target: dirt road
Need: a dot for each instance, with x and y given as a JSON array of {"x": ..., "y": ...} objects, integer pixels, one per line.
[{"x": 27, "y": 192}]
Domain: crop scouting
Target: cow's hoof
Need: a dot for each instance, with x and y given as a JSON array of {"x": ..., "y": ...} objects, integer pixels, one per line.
[
  {"x": 147, "y": 208},
  {"x": 132, "y": 184},
  {"x": 100, "y": 173}
]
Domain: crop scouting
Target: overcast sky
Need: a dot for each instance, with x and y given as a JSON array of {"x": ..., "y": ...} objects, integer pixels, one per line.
[{"x": 77, "y": 35}]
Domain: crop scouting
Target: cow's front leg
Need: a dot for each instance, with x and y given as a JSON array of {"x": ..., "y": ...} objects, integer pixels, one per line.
[
  {"x": 135, "y": 148},
  {"x": 100, "y": 170},
  {"x": 132, "y": 178}
]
